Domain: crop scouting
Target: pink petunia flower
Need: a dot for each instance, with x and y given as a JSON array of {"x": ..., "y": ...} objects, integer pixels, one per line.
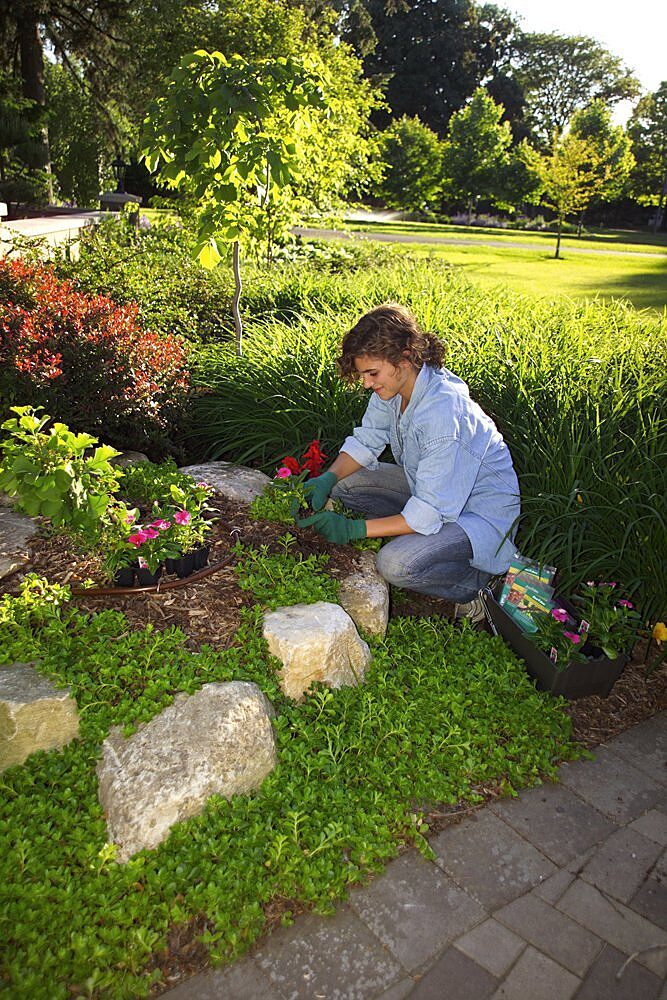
[
  {"x": 182, "y": 517},
  {"x": 138, "y": 538},
  {"x": 573, "y": 637},
  {"x": 590, "y": 583},
  {"x": 204, "y": 486},
  {"x": 611, "y": 584},
  {"x": 283, "y": 472},
  {"x": 151, "y": 532},
  {"x": 160, "y": 524},
  {"x": 560, "y": 614},
  {"x": 626, "y": 604},
  {"x": 130, "y": 518}
]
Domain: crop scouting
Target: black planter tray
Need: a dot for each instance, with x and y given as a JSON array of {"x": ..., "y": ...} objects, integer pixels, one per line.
[{"x": 597, "y": 676}]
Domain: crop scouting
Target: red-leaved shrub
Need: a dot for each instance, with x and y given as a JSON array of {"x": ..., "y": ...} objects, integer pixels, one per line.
[{"x": 87, "y": 361}]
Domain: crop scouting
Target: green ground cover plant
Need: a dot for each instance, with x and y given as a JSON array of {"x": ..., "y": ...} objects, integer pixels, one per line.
[{"x": 441, "y": 713}]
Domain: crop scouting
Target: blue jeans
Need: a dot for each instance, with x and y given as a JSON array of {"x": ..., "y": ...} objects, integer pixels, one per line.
[{"x": 436, "y": 564}]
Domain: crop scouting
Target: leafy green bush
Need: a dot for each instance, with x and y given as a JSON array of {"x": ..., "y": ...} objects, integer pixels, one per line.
[
  {"x": 441, "y": 713},
  {"x": 57, "y": 474}
]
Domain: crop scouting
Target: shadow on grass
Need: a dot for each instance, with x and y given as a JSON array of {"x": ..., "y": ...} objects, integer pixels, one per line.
[{"x": 645, "y": 289}]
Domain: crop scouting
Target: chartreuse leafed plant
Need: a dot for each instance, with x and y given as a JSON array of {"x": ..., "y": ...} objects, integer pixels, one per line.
[
  {"x": 577, "y": 389},
  {"x": 441, "y": 713},
  {"x": 56, "y": 473}
]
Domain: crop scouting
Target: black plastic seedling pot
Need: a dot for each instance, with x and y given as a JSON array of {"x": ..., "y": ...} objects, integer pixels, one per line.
[{"x": 596, "y": 676}]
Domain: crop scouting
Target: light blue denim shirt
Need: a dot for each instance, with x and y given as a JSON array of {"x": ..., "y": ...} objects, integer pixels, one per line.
[{"x": 455, "y": 460}]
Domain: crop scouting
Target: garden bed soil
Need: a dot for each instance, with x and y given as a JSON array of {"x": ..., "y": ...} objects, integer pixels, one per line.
[{"x": 208, "y": 610}]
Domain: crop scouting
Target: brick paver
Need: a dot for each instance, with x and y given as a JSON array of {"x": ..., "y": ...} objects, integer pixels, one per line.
[
  {"x": 490, "y": 860},
  {"x": 555, "y": 820},
  {"x": 614, "y": 786},
  {"x": 537, "y": 977},
  {"x": 603, "y": 983},
  {"x": 622, "y": 864},
  {"x": 415, "y": 910},
  {"x": 492, "y": 946},
  {"x": 456, "y": 977},
  {"x": 616, "y": 924},
  {"x": 551, "y": 932}
]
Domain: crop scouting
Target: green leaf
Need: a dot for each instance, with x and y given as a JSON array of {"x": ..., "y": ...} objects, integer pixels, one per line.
[{"x": 208, "y": 255}]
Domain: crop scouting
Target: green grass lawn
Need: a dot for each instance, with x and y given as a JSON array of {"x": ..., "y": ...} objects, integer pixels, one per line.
[
  {"x": 641, "y": 280},
  {"x": 635, "y": 271}
]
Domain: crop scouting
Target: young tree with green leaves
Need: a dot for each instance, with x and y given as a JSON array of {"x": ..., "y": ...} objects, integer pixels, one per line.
[
  {"x": 228, "y": 131},
  {"x": 412, "y": 156},
  {"x": 647, "y": 129},
  {"x": 612, "y": 145},
  {"x": 571, "y": 174},
  {"x": 475, "y": 150}
]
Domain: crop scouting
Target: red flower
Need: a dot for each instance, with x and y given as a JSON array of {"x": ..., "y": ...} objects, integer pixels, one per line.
[
  {"x": 314, "y": 458},
  {"x": 291, "y": 463}
]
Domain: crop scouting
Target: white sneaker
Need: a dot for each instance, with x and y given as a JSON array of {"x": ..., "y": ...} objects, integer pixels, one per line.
[{"x": 473, "y": 611}]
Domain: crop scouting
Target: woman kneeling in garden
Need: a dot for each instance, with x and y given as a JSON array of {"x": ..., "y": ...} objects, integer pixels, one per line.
[{"x": 451, "y": 501}]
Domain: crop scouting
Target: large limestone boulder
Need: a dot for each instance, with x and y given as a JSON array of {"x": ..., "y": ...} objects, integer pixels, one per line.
[
  {"x": 16, "y": 530},
  {"x": 315, "y": 642},
  {"x": 236, "y": 482},
  {"x": 217, "y": 741},
  {"x": 34, "y": 714},
  {"x": 365, "y": 597}
]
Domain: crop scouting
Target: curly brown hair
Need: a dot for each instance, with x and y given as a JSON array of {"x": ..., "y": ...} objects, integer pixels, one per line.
[{"x": 388, "y": 332}]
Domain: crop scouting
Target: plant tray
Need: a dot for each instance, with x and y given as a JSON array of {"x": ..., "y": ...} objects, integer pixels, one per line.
[{"x": 597, "y": 676}]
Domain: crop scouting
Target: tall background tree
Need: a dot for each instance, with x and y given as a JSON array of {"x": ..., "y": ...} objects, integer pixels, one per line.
[
  {"x": 412, "y": 154},
  {"x": 561, "y": 74},
  {"x": 647, "y": 129},
  {"x": 475, "y": 151},
  {"x": 612, "y": 147},
  {"x": 571, "y": 176},
  {"x": 432, "y": 54}
]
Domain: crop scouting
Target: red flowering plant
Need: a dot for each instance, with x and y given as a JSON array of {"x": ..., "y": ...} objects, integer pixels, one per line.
[
  {"x": 284, "y": 495},
  {"x": 86, "y": 359}
]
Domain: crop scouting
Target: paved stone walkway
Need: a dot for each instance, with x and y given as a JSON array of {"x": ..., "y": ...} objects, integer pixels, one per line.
[{"x": 543, "y": 897}]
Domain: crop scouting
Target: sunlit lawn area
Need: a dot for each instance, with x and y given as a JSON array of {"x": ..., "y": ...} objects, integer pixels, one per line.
[{"x": 641, "y": 280}]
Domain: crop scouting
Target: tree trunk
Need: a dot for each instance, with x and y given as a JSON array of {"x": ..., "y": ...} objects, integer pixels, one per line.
[
  {"x": 238, "y": 287},
  {"x": 560, "y": 227},
  {"x": 660, "y": 209},
  {"x": 469, "y": 211},
  {"x": 580, "y": 225},
  {"x": 32, "y": 76}
]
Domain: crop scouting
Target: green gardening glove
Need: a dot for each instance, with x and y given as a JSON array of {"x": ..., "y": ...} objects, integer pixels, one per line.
[
  {"x": 334, "y": 527},
  {"x": 317, "y": 490}
]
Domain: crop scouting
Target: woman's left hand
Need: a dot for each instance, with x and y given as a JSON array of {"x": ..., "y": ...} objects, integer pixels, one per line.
[{"x": 334, "y": 527}]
